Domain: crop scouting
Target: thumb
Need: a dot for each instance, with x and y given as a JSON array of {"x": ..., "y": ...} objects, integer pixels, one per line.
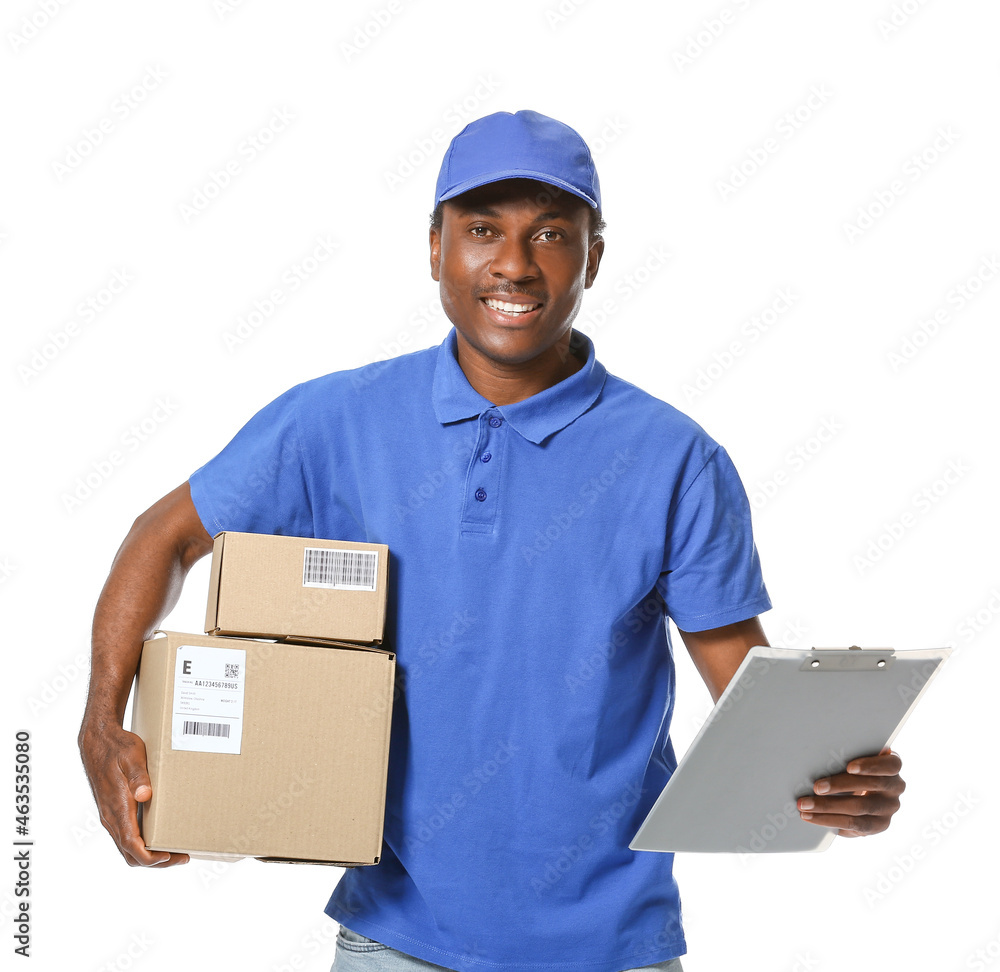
[{"x": 138, "y": 783}]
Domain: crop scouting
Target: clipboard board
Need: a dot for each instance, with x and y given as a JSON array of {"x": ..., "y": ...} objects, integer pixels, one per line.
[{"x": 786, "y": 718}]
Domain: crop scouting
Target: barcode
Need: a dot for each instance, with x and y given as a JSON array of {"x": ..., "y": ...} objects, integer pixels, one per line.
[
  {"x": 343, "y": 570},
  {"x": 205, "y": 729},
  {"x": 232, "y": 671}
]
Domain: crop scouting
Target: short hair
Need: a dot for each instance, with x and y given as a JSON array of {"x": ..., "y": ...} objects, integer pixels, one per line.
[{"x": 597, "y": 224}]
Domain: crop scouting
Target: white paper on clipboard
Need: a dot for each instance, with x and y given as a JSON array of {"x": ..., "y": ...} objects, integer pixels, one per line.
[{"x": 786, "y": 718}]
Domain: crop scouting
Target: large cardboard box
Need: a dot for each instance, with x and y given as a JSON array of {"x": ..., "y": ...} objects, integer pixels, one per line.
[
  {"x": 264, "y": 749},
  {"x": 265, "y": 586}
]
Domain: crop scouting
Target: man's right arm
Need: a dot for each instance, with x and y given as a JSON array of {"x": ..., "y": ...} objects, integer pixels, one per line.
[{"x": 143, "y": 586}]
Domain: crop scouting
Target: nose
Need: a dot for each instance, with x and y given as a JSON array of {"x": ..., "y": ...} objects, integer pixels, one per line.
[{"x": 514, "y": 259}]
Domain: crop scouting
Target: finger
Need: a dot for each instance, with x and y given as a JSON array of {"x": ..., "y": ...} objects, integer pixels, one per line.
[
  {"x": 855, "y": 782},
  {"x": 887, "y": 763},
  {"x": 857, "y": 826},
  {"x": 867, "y": 804},
  {"x": 134, "y": 769},
  {"x": 126, "y": 820}
]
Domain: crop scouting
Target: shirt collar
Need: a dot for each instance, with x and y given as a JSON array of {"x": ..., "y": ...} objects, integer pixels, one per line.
[{"x": 536, "y": 417}]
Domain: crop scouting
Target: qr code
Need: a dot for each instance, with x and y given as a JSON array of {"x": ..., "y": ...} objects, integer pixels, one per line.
[{"x": 232, "y": 671}]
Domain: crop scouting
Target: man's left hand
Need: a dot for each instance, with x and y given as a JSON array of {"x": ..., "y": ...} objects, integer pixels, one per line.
[{"x": 859, "y": 802}]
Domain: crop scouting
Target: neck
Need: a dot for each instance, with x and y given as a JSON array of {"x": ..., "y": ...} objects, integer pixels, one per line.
[{"x": 503, "y": 383}]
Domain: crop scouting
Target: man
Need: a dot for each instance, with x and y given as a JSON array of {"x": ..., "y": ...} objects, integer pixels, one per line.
[{"x": 543, "y": 517}]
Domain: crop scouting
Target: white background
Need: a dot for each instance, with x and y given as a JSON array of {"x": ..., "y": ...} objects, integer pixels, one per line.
[{"x": 852, "y": 553}]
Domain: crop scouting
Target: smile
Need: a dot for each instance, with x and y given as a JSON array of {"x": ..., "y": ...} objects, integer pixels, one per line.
[{"x": 507, "y": 308}]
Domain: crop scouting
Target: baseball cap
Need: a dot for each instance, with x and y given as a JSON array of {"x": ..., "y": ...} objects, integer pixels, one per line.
[{"x": 519, "y": 145}]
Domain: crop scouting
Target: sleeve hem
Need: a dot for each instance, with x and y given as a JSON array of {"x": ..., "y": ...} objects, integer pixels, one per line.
[
  {"x": 201, "y": 505},
  {"x": 717, "y": 619}
]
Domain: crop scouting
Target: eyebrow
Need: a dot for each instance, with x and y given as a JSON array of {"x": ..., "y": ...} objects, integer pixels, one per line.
[{"x": 493, "y": 214}]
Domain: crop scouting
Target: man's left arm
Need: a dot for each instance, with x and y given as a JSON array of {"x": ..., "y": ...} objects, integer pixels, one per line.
[{"x": 860, "y": 801}]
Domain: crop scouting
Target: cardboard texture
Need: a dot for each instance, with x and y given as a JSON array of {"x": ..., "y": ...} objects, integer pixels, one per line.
[
  {"x": 308, "y": 782},
  {"x": 265, "y": 586}
]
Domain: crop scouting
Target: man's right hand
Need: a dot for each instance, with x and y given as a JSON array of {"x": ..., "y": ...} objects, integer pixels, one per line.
[{"x": 115, "y": 762}]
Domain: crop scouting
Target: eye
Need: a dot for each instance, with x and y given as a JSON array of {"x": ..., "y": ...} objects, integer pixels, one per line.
[
  {"x": 475, "y": 231},
  {"x": 552, "y": 234}
]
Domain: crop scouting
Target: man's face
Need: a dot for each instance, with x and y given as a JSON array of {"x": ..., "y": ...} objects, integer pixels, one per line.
[{"x": 516, "y": 242}]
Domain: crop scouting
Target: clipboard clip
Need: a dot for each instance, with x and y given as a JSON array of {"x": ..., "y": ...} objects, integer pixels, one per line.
[{"x": 850, "y": 659}]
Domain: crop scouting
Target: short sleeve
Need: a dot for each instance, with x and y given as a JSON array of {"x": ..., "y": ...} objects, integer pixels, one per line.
[
  {"x": 257, "y": 484},
  {"x": 711, "y": 571}
]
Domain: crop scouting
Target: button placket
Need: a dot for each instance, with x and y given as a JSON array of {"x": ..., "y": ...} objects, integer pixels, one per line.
[{"x": 483, "y": 481}]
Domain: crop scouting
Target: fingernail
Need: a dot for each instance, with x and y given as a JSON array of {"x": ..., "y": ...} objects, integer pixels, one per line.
[
  {"x": 806, "y": 804},
  {"x": 822, "y": 787}
]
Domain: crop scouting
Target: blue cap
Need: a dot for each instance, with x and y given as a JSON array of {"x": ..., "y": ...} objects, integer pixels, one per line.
[{"x": 523, "y": 145}]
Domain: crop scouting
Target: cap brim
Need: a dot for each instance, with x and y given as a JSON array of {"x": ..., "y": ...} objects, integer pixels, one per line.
[{"x": 515, "y": 174}]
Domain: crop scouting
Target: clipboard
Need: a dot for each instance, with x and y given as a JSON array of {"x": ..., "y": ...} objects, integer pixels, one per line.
[{"x": 786, "y": 718}]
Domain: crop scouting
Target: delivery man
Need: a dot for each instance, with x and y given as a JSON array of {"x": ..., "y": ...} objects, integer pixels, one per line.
[{"x": 544, "y": 517}]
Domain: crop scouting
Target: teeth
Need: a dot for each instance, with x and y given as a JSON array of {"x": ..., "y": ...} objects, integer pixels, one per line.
[{"x": 502, "y": 305}]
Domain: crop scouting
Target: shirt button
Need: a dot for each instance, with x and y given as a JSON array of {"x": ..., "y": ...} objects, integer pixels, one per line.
[
  {"x": 486, "y": 456},
  {"x": 496, "y": 422},
  {"x": 480, "y": 494}
]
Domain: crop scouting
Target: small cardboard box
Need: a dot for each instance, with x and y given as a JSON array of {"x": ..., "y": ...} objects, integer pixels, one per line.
[
  {"x": 265, "y": 586},
  {"x": 264, "y": 749}
]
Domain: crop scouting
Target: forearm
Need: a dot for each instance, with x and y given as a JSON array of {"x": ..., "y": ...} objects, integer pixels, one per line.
[
  {"x": 719, "y": 652},
  {"x": 144, "y": 584}
]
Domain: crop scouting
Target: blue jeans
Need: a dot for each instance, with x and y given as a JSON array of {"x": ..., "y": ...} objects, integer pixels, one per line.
[{"x": 355, "y": 953}]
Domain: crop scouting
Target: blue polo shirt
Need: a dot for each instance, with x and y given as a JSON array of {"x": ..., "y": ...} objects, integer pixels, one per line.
[{"x": 535, "y": 551}]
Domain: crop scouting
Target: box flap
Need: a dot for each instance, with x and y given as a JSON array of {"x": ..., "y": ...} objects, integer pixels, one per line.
[{"x": 212, "y": 610}]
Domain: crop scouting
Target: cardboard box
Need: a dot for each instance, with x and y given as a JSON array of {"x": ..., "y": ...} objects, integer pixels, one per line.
[
  {"x": 265, "y": 586},
  {"x": 297, "y": 740}
]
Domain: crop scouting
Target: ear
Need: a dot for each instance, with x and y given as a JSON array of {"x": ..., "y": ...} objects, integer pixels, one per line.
[
  {"x": 594, "y": 255},
  {"x": 435, "y": 241}
]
